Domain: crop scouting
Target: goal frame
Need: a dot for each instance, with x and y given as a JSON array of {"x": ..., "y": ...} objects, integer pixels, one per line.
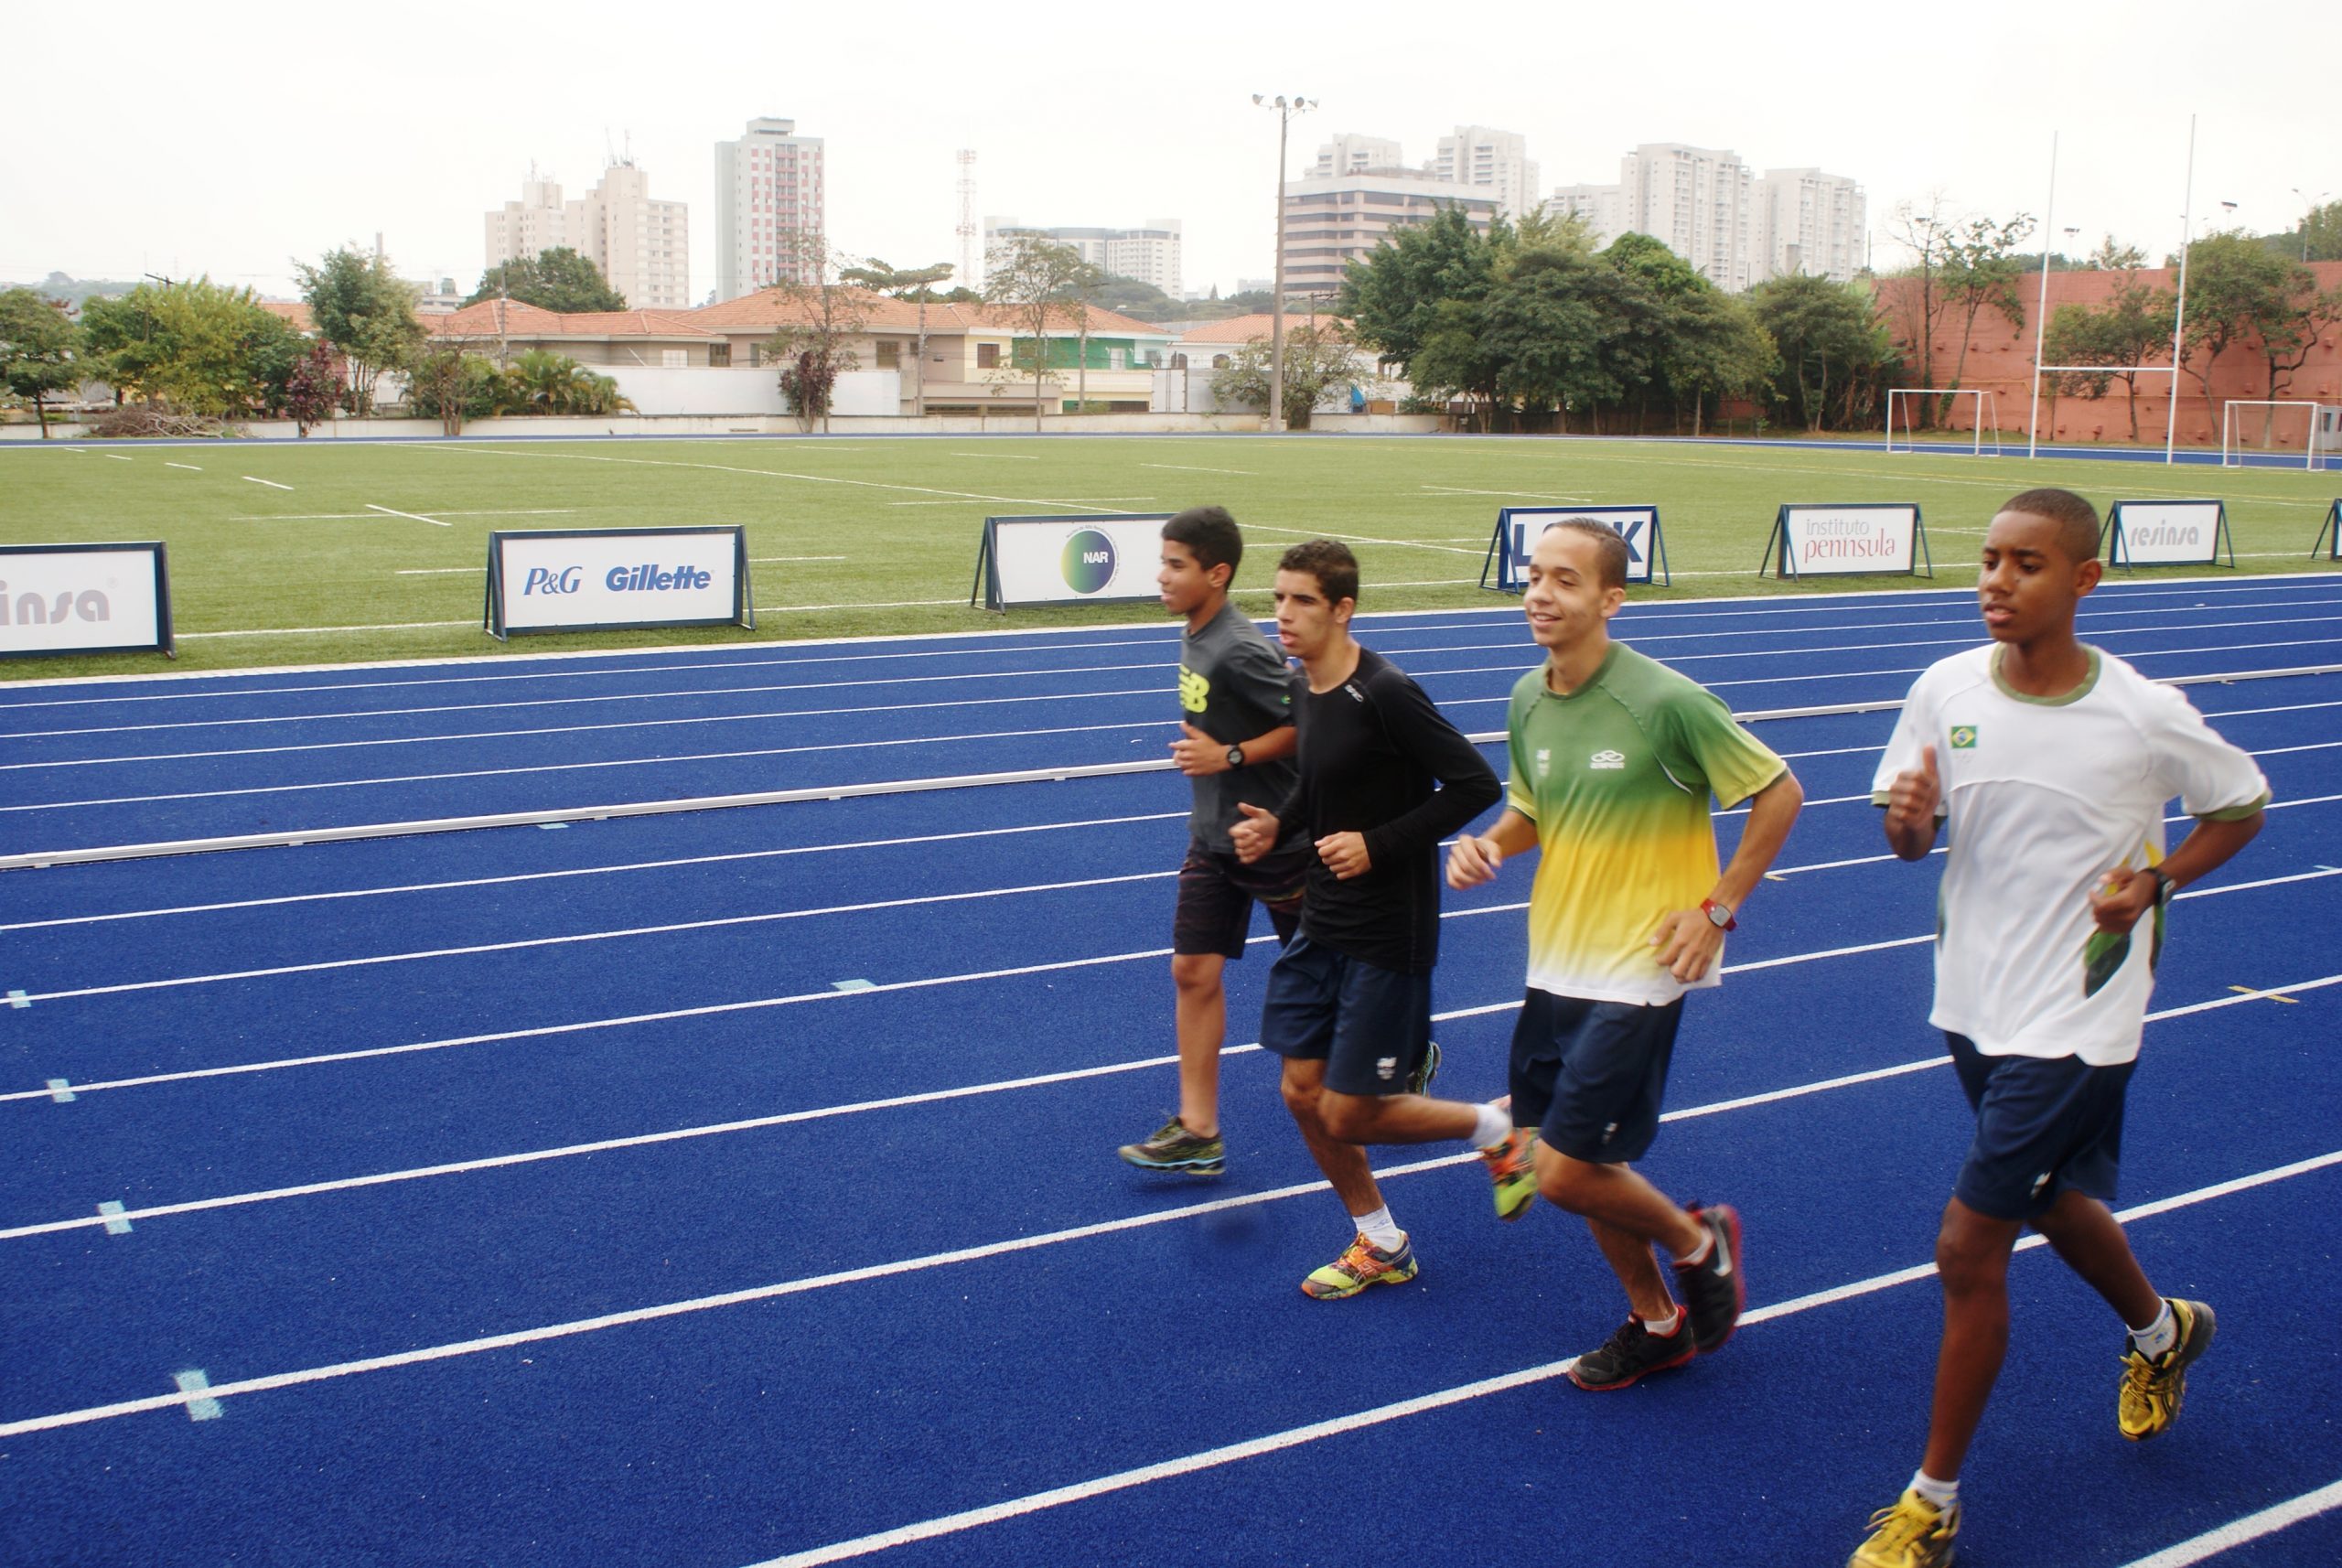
[
  {"x": 1987, "y": 398},
  {"x": 2313, "y": 459}
]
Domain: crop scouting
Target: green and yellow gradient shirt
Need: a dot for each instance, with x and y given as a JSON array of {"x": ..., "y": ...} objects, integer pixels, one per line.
[{"x": 1617, "y": 777}]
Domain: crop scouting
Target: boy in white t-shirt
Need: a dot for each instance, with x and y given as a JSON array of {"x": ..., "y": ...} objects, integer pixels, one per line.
[{"x": 2052, "y": 763}]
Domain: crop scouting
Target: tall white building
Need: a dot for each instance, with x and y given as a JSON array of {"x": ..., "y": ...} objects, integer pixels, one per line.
[
  {"x": 770, "y": 219},
  {"x": 1699, "y": 202},
  {"x": 642, "y": 246},
  {"x": 1149, "y": 253},
  {"x": 1492, "y": 160},
  {"x": 1811, "y": 222},
  {"x": 1350, "y": 152},
  {"x": 1597, "y": 206},
  {"x": 1333, "y": 219}
]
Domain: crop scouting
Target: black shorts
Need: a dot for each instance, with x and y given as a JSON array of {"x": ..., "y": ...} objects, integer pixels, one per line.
[
  {"x": 1369, "y": 1025},
  {"x": 1589, "y": 1076},
  {"x": 2043, "y": 1124},
  {"x": 1217, "y": 891}
]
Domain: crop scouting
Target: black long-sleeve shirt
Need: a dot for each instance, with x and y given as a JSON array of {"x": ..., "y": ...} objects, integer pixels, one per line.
[{"x": 1377, "y": 759}]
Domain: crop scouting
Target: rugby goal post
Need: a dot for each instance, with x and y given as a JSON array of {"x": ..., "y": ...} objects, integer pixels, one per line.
[
  {"x": 2322, "y": 419},
  {"x": 1987, "y": 406}
]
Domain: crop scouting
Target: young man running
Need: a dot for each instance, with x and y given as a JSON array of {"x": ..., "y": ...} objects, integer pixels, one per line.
[
  {"x": 1614, "y": 759},
  {"x": 2052, "y": 762},
  {"x": 1236, "y": 748},
  {"x": 1384, "y": 778}
]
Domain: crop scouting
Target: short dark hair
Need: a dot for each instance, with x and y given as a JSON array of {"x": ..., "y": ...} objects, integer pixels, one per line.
[
  {"x": 1611, "y": 554},
  {"x": 2077, "y": 519},
  {"x": 1331, "y": 561},
  {"x": 1211, "y": 534}
]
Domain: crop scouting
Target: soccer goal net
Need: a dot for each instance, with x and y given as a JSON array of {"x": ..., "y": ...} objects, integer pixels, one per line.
[
  {"x": 1908, "y": 406},
  {"x": 2254, "y": 430}
]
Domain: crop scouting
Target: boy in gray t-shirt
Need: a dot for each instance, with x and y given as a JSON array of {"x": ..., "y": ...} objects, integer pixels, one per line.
[{"x": 1236, "y": 746}]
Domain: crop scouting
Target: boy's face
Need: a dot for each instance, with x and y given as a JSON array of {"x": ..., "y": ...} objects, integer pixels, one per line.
[
  {"x": 1565, "y": 601},
  {"x": 1307, "y": 623},
  {"x": 1183, "y": 580},
  {"x": 2030, "y": 585}
]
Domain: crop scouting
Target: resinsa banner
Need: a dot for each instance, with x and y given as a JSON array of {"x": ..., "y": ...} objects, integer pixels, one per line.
[
  {"x": 581, "y": 579},
  {"x": 1068, "y": 560},
  {"x": 83, "y": 598},
  {"x": 2165, "y": 534}
]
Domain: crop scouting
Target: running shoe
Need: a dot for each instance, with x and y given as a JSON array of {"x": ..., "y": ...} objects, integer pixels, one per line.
[
  {"x": 1914, "y": 1533},
  {"x": 1364, "y": 1265},
  {"x": 1174, "y": 1148},
  {"x": 1512, "y": 1166},
  {"x": 1633, "y": 1352},
  {"x": 1426, "y": 1070},
  {"x": 1713, "y": 1289},
  {"x": 2148, "y": 1400}
]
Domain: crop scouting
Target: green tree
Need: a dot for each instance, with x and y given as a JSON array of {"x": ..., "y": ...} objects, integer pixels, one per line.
[
  {"x": 197, "y": 348},
  {"x": 2239, "y": 293},
  {"x": 1037, "y": 281},
  {"x": 817, "y": 346},
  {"x": 1719, "y": 350},
  {"x": 1140, "y": 301},
  {"x": 447, "y": 382},
  {"x": 1552, "y": 332},
  {"x": 364, "y": 310},
  {"x": 1981, "y": 271},
  {"x": 559, "y": 279},
  {"x": 1395, "y": 294},
  {"x": 543, "y": 382},
  {"x": 1316, "y": 359},
  {"x": 1834, "y": 352},
  {"x": 40, "y": 350},
  {"x": 914, "y": 284}
]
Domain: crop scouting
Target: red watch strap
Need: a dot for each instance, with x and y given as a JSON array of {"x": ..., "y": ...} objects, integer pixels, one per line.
[{"x": 1708, "y": 907}]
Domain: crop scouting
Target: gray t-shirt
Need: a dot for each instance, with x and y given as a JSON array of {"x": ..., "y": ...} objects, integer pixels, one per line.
[{"x": 1234, "y": 686}]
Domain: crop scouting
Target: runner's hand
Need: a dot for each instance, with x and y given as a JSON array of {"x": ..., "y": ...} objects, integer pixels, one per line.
[
  {"x": 1687, "y": 943},
  {"x": 2125, "y": 896},
  {"x": 1912, "y": 799},
  {"x": 1471, "y": 862},
  {"x": 1196, "y": 754},
  {"x": 1344, "y": 855},
  {"x": 1255, "y": 836}
]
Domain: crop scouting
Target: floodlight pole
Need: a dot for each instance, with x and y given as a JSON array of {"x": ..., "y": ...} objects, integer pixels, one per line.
[
  {"x": 2179, "y": 315},
  {"x": 2309, "y": 211},
  {"x": 1286, "y": 109},
  {"x": 2041, "y": 312}
]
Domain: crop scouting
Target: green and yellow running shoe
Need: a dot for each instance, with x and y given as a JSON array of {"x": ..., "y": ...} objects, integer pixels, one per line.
[
  {"x": 1914, "y": 1533},
  {"x": 1364, "y": 1265},
  {"x": 2147, "y": 1402},
  {"x": 1512, "y": 1166},
  {"x": 1174, "y": 1148},
  {"x": 1426, "y": 1070}
]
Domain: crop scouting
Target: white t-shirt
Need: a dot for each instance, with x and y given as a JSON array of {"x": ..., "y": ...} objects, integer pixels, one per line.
[{"x": 2046, "y": 797}]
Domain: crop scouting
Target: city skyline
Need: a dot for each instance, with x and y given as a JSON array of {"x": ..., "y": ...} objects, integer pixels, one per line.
[{"x": 113, "y": 200}]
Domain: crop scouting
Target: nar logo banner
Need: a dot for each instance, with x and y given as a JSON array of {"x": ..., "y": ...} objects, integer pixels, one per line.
[
  {"x": 1068, "y": 560},
  {"x": 1519, "y": 527}
]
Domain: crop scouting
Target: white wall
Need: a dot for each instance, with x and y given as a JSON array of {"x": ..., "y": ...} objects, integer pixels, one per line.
[{"x": 715, "y": 390}]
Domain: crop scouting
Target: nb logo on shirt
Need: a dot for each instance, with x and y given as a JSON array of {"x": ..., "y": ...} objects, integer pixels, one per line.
[
  {"x": 1608, "y": 760},
  {"x": 1194, "y": 689}
]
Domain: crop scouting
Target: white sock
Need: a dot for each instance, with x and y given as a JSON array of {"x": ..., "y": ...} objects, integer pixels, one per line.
[
  {"x": 1663, "y": 1327},
  {"x": 1701, "y": 1253},
  {"x": 1378, "y": 1229},
  {"x": 2159, "y": 1335},
  {"x": 1496, "y": 1126},
  {"x": 1943, "y": 1494}
]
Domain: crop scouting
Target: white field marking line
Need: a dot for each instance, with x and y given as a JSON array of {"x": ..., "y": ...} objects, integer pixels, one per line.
[
  {"x": 1003, "y": 457},
  {"x": 860, "y": 605},
  {"x": 1530, "y": 495},
  {"x": 1293, "y": 1437},
  {"x": 1413, "y": 583},
  {"x": 188, "y": 466},
  {"x": 1094, "y": 501},
  {"x": 368, "y": 517},
  {"x": 324, "y": 630},
  {"x": 670, "y": 864},
  {"x": 120, "y": 458},
  {"x": 756, "y": 473},
  {"x": 522, "y": 944},
  {"x": 410, "y": 516},
  {"x": 1193, "y": 468},
  {"x": 271, "y": 484},
  {"x": 783, "y": 560},
  {"x": 579, "y": 767},
  {"x": 758, "y": 1004},
  {"x": 2252, "y": 1527},
  {"x": 1364, "y": 539}
]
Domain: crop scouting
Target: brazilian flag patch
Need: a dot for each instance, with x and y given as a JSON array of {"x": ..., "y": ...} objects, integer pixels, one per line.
[{"x": 1963, "y": 738}]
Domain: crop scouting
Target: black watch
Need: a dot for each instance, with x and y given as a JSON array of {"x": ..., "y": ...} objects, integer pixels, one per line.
[
  {"x": 1236, "y": 755},
  {"x": 2165, "y": 887}
]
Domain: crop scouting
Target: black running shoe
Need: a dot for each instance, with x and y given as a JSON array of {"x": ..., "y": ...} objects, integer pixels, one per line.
[
  {"x": 1713, "y": 1289},
  {"x": 1632, "y": 1352}
]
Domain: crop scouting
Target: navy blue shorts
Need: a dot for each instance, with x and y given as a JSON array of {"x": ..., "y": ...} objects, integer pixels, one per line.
[
  {"x": 1217, "y": 891},
  {"x": 2043, "y": 1124},
  {"x": 1589, "y": 1076},
  {"x": 1369, "y": 1025}
]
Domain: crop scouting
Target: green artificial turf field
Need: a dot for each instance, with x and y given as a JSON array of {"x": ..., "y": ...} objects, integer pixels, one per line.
[{"x": 855, "y": 536}]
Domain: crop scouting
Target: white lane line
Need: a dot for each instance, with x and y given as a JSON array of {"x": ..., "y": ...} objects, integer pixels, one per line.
[
  {"x": 725, "y": 859},
  {"x": 368, "y": 517},
  {"x": 1194, "y": 468},
  {"x": 2251, "y": 1528},
  {"x": 1523, "y": 495},
  {"x": 188, "y": 466},
  {"x": 249, "y": 478},
  {"x": 1293, "y": 1437},
  {"x": 410, "y": 516}
]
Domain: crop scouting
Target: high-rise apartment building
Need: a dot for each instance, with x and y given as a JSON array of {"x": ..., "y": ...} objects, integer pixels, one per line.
[
  {"x": 1331, "y": 219},
  {"x": 1490, "y": 160},
  {"x": 642, "y": 246},
  {"x": 1149, "y": 253},
  {"x": 1810, "y": 222},
  {"x": 1350, "y": 152},
  {"x": 1697, "y": 201},
  {"x": 1597, "y": 205},
  {"x": 770, "y": 222}
]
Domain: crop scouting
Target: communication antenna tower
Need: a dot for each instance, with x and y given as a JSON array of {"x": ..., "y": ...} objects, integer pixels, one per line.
[{"x": 969, "y": 277}]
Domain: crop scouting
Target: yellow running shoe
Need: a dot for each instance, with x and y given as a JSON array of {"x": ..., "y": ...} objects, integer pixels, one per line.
[
  {"x": 1512, "y": 1166},
  {"x": 1914, "y": 1533},
  {"x": 1364, "y": 1265},
  {"x": 2148, "y": 1400}
]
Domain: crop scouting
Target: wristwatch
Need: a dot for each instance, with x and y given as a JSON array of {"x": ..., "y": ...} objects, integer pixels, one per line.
[
  {"x": 1236, "y": 755},
  {"x": 2164, "y": 888},
  {"x": 1719, "y": 915}
]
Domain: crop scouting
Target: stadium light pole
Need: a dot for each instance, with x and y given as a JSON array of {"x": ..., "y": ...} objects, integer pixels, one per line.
[
  {"x": 2180, "y": 312},
  {"x": 2040, "y": 321},
  {"x": 1286, "y": 109},
  {"x": 2309, "y": 211}
]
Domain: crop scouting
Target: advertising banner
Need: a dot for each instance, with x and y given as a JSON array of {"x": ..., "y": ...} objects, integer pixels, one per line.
[
  {"x": 84, "y": 598},
  {"x": 1067, "y": 559},
  {"x": 1518, "y": 528},
  {"x": 1850, "y": 539},
  {"x": 601, "y": 579},
  {"x": 2167, "y": 533},
  {"x": 2329, "y": 534}
]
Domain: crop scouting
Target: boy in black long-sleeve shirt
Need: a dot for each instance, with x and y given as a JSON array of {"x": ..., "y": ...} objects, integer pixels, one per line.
[{"x": 1384, "y": 778}]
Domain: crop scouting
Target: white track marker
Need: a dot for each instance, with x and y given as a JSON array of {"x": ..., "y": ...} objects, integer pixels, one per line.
[
  {"x": 200, "y": 1405},
  {"x": 271, "y": 484},
  {"x": 410, "y": 516},
  {"x": 188, "y": 466},
  {"x": 1193, "y": 468},
  {"x": 115, "y": 456},
  {"x": 2252, "y": 1527}
]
